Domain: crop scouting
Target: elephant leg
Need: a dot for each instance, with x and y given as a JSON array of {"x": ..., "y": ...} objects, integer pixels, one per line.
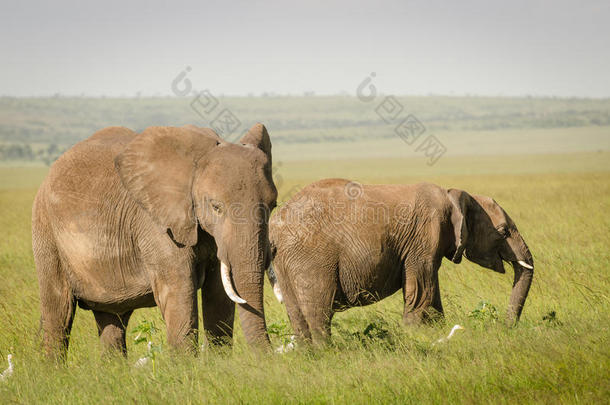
[
  {"x": 218, "y": 310},
  {"x": 315, "y": 302},
  {"x": 319, "y": 316},
  {"x": 177, "y": 301},
  {"x": 437, "y": 304},
  {"x": 57, "y": 303},
  {"x": 111, "y": 330},
  {"x": 295, "y": 314},
  {"x": 421, "y": 292}
]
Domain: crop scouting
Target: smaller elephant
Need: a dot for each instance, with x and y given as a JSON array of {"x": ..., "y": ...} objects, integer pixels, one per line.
[{"x": 338, "y": 244}]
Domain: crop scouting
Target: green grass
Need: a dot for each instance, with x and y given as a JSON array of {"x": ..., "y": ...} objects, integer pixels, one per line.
[
  {"x": 560, "y": 203},
  {"x": 381, "y": 142}
]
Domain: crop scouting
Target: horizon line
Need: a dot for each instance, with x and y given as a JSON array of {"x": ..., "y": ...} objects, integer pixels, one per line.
[{"x": 299, "y": 95}]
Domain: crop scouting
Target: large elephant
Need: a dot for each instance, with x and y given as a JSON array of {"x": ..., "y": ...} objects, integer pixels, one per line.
[
  {"x": 338, "y": 244},
  {"x": 126, "y": 220}
]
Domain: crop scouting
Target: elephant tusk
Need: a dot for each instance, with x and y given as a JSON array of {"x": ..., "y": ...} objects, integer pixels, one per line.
[
  {"x": 278, "y": 292},
  {"x": 527, "y": 266},
  {"x": 226, "y": 283}
]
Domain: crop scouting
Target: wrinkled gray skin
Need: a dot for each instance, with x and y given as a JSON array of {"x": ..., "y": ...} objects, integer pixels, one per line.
[
  {"x": 338, "y": 245},
  {"x": 127, "y": 220}
]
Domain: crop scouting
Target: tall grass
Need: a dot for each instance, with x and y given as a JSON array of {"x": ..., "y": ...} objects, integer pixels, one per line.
[{"x": 561, "y": 358}]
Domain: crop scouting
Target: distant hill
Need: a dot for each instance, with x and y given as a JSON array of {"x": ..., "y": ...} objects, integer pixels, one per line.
[{"x": 49, "y": 125}]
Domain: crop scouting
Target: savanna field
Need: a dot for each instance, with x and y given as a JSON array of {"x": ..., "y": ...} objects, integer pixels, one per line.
[{"x": 558, "y": 353}]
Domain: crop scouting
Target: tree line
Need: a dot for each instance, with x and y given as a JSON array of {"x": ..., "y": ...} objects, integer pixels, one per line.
[{"x": 26, "y": 153}]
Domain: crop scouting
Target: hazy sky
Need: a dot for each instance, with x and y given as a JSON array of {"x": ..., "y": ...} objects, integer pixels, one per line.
[{"x": 233, "y": 47}]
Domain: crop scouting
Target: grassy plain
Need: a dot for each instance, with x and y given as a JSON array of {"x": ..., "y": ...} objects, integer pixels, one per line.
[{"x": 560, "y": 203}]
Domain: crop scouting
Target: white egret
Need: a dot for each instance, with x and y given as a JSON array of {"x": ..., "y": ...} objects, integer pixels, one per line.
[
  {"x": 288, "y": 346},
  {"x": 450, "y": 335},
  {"x": 142, "y": 361},
  {"x": 9, "y": 371}
]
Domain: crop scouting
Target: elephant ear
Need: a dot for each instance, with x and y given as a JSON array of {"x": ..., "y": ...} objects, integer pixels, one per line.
[
  {"x": 258, "y": 137},
  {"x": 157, "y": 168},
  {"x": 459, "y": 208}
]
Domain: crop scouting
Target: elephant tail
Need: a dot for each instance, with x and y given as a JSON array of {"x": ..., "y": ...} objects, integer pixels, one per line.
[{"x": 273, "y": 278}]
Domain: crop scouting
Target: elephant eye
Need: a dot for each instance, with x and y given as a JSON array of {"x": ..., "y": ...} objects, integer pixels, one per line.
[
  {"x": 216, "y": 206},
  {"x": 503, "y": 231}
]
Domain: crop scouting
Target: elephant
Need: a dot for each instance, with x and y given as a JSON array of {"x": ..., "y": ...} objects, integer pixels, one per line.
[
  {"x": 338, "y": 244},
  {"x": 126, "y": 220}
]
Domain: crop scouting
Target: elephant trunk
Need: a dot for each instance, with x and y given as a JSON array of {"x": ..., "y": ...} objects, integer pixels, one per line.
[
  {"x": 252, "y": 311},
  {"x": 247, "y": 271},
  {"x": 524, "y": 274}
]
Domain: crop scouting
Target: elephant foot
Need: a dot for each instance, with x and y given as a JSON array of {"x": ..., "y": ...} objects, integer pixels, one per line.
[{"x": 427, "y": 316}]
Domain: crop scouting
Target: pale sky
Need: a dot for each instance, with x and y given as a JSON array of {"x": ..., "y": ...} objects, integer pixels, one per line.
[{"x": 487, "y": 47}]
